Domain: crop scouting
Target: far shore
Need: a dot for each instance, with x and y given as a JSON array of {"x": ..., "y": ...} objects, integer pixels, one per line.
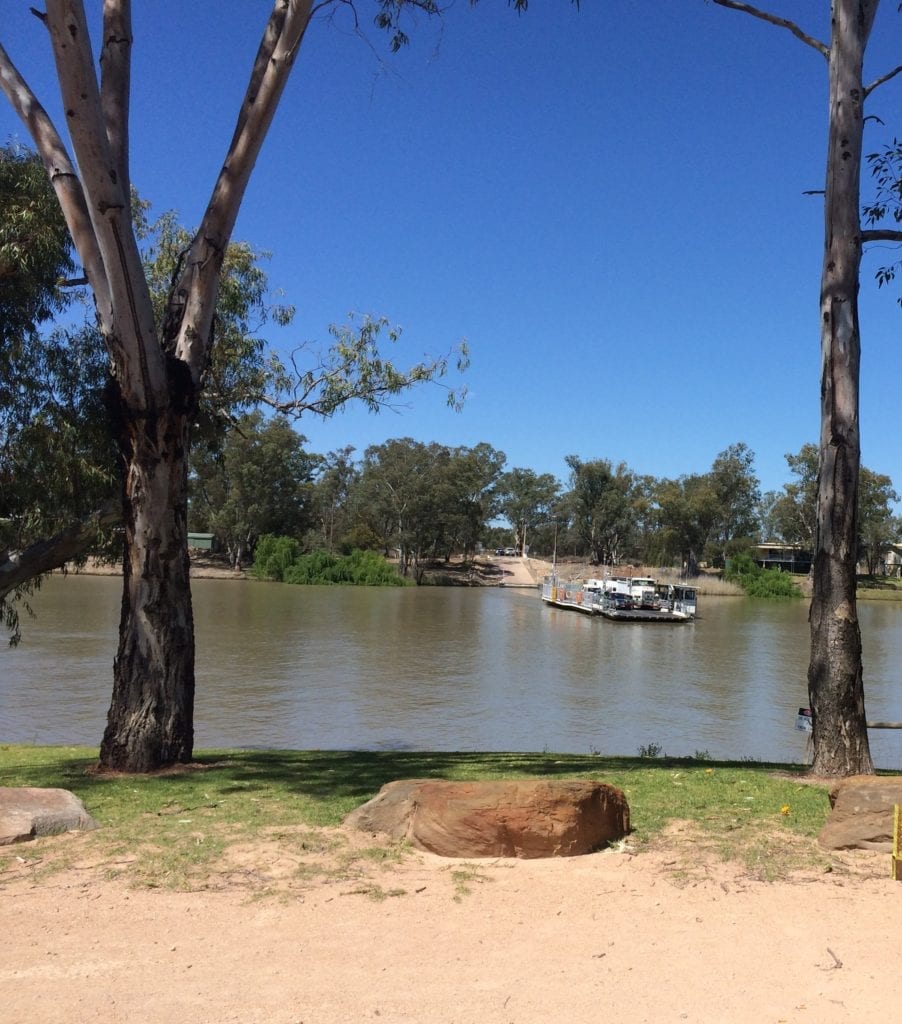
[{"x": 518, "y": 572}]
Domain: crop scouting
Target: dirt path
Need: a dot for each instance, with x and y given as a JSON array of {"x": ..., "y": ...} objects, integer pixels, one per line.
[
  {"x": 612, "y": 936},
  {"x": 517, "y": 572}
]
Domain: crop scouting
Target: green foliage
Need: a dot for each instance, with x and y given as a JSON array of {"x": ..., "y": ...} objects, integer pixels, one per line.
[
  {"x": 758, "y": 582},
  {"x": 273, "y": 556},
  {"x": 359, "y": 569},
  {"x": 259, "y": 481},
  {"x": 601, "y": 506},
  {"x": 426, "y": 500},
  {"x": 353, "y": 368},
  {"x": 790, "y": 515},
  {"x": 877, "y": 527},
  {"x": 886, "y": 168},
  {"x": 687, "y": 509},
  {"x": 57, "y": 461},
  {"x": 34, "y": 248},
  {"x": 280, "y": 558},
  {"x": 736, "y": 489},
  {"x": 712, "y": 513},
  {"x": 240, "y": 373},
  {"x": 525, "y": 499}
]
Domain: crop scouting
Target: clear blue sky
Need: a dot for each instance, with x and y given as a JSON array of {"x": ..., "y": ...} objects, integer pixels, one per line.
[{"x": 606, "y": 203}]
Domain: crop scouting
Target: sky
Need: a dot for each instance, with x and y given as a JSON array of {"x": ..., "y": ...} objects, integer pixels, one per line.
[{"x": 606, "y": 203}]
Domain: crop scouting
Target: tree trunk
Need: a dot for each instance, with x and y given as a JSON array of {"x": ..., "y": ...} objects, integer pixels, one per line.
[
  {"x": 151, "y": 717},
  {"x": 835, "y": 687}
]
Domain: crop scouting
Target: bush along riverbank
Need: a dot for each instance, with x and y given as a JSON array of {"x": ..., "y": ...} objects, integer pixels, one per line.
[
  {"x": 281, "y": 559},
  {"x": 758, "y": 582}
]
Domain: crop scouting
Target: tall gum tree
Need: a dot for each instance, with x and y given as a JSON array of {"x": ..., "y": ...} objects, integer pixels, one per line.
[
  {"x": 835, "y": 682},
  {"x": 158, "y": 373}
]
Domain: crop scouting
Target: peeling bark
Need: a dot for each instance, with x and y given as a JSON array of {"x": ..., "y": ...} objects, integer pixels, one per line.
[
  {"x": 151, "y": 717},
  {"x": 835, "y": 682}
]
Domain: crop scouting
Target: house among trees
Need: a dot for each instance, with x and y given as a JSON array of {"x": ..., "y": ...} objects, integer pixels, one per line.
[
  {"x": 788, "y": 557},
  {"x": 891, "y": 564}
]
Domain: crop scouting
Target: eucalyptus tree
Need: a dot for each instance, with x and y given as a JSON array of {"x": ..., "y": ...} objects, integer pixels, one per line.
[
  {"x": 158, "y": 369},
  {"x": 334, "y": 479},
  {"x": 835, "y": 682},
  {"x": 396, "y": 495},
  {"x": 526, "y": 499},
  {"x": 258, "y": 481},
  {"x": 687, "y": 510},
  {"x": 470, "y": 495},
  {"x": 426, "y": 500},
  {"x": 601, "y": 507},
  {"x": 878, "y": 528},
  {"x": 58, "y": 462},
  {"x": 738, "y": 495},
  {"x": 792, "y": 514}
]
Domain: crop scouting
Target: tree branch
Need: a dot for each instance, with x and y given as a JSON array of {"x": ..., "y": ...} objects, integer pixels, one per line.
[
  {"x": 881, "y": 235},
  {"x": 192, "y": 300},
  {"x": 772, "y": 19},
  {"x": 115, "y": 82},
  {"x": 63, "y": 177},
  {"x": 18, "y": 567},
  {"x": 136, "y": 354},
  {"x": 881, "y": 80}
]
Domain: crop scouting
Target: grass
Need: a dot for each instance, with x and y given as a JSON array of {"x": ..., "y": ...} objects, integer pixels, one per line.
[
  {"x": 174, "y": 829},
  {"x": 464, "y": 878},
  {"x": 879, "y": 588}
]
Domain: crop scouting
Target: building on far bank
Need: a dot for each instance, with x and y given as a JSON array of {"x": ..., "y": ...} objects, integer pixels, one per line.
[{"x": 788, "y": 557}]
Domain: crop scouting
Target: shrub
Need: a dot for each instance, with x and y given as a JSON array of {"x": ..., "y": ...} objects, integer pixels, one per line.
[
  {"x": 280, "y": 558},
  {"x": 273, "y": 556},
  {"x": 758, "y": 582}
]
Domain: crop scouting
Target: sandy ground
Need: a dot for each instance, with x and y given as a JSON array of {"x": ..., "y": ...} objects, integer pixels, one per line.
[
  {"x": 665, "y": 935},
  {"x": 203, "y": 566},
  {"x": 656, "y": 936}
]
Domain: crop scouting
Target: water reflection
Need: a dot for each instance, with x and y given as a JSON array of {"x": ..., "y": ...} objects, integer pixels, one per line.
[{"x": 449, "y": 669}]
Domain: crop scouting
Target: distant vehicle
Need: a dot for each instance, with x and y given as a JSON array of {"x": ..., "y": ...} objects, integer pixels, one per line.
[{"x": 507, "y": 552}]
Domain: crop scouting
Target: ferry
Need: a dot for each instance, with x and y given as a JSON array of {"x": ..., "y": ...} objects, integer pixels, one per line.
[{"x": 624, "y": 598}]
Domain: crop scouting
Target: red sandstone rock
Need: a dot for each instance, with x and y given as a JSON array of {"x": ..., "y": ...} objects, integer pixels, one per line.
[
  {"x": 508, "y": 818},
  {"x": 862, "y": 813}
]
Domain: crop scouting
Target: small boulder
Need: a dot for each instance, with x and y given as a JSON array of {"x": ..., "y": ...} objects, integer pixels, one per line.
[
  {"x": 507, "y": 818},
  {"x": 27, "y": 812},
  {"x": 862, "y": 813}
]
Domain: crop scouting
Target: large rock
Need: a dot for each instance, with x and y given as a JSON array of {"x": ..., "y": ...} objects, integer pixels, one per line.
[
  {"x": 510, "y": 818},
  {"x": 862, "y": 813},
  {"x": 27, "y": 812}
]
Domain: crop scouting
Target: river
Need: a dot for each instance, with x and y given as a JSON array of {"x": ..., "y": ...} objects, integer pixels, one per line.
[{"x": 449, "y": 669}]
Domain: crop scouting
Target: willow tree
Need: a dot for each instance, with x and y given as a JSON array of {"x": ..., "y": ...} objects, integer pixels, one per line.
[
  {"x": 157, "y": 372},
  {"x": 835, "y": 682}
]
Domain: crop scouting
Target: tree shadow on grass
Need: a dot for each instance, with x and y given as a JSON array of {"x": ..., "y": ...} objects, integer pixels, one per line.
[{"x": 338, "y": 779}]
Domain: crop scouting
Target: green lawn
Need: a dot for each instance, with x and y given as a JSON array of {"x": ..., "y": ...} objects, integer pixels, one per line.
[{"x": 173, "y": 826}]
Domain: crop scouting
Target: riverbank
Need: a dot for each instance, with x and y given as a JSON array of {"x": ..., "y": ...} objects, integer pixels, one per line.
[
  {"x": 522, "y": 572},
  {"x": 204, "y": 565},
  {"x": 211, "y": 895}
]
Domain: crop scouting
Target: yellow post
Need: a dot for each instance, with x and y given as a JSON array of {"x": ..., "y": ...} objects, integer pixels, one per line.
[{"x": 897, "y": 843}]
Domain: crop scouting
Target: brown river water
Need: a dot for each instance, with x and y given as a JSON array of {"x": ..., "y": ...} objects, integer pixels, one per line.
[{"x": 449, "y": 669}]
